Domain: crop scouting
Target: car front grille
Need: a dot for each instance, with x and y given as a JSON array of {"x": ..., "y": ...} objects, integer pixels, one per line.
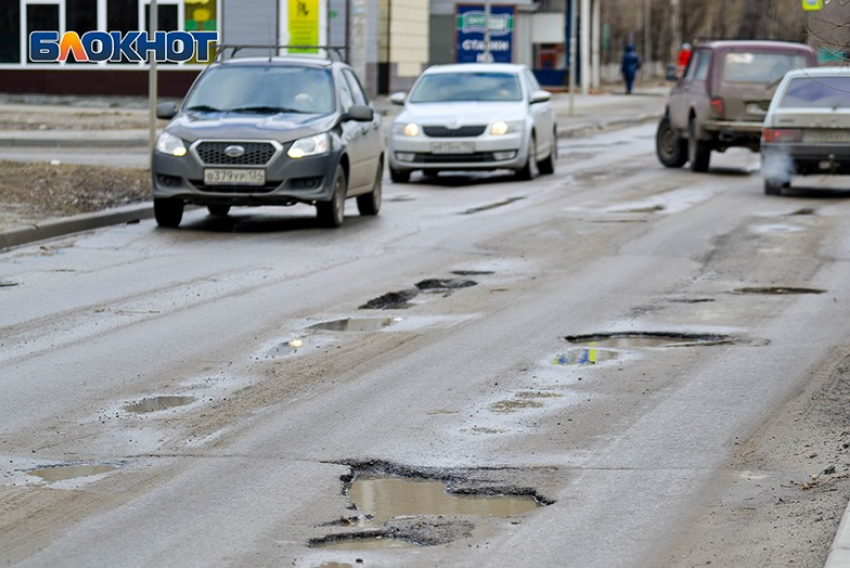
[
  {"x": 462, "y": 132},
  {"x": 482, "y": 158},
  {"x": 235, "y": 189},
  {"x": 255, "y": 153}
]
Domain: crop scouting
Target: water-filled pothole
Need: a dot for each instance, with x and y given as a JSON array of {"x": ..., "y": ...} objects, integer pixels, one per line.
[
  {"x": 627, "y": 340},
  {"x": 472, "y": 272},
  {"x": 365, "y": 541},
  {"x": 443, "y": 284},
  {"x": 386, "y": 497},
  {"x": 64, "y": 472},
  {"x": 778, "y": 290},
  {"x": 399, "y": 300},
  {"x": 158, "y": 403},
  {"x": 355, "y": 324},
  {"x": 7, "y": 283},
  {"x": 586, "y": 356}
]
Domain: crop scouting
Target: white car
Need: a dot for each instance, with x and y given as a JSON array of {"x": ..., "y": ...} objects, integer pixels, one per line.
[
  {"x": 807, "y": 127},
  {"x": 473, "y": 116}
]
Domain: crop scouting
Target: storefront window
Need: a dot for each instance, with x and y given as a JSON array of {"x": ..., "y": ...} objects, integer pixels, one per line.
[{"x": 10, "y": 37}]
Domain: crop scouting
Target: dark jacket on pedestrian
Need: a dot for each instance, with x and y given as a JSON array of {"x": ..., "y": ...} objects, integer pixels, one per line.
[{"x": 631, "y": 62}]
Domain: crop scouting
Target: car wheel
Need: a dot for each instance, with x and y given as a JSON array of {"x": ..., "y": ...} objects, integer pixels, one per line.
[
  {"x": 168, "y": 212},
  {"x": 331, "y": 213},
  {"x": 218, "y": 210},
  {"x": 370, "y": 203},
  {"x": 527, "y": 172},
  {"x": 774, "y": 187},
  {"x": 699, "y": 151},
  {"x": 399, "y": 176},
  {"x": 671, "y": 149},
  {"x": 547, "y": 166}
]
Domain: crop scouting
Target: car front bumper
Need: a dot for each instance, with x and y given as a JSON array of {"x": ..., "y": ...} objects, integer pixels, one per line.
[
  {"x": 287, "y": 181},
  {"x": 485, "y": 152}
]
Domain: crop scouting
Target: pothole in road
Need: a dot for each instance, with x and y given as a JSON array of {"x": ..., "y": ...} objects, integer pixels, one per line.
[
  {"x": 7, "y": 284},
  {"x": 444, "y": 285},
  {"x": 399, "y": 300},
  {"x": 778, "y": 290},
  {"x": 64, "y": 472},
  {"x": 472, "y": 272},
  {"x": 489, "y": 206},
  {"x": 355, "y": 324},
  {"x": 158, "y": 403},
  {"x": 627, "y": 340},
  {"x": 402, "y": 507}
]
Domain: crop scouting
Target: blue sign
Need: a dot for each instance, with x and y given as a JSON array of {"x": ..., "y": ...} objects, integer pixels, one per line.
[{"x": 471, "y": 41}]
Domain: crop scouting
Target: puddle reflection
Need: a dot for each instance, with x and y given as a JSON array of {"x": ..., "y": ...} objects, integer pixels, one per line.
[
  {"x": 157, "y": 403},
  {"x": 63, "y": 472},
  {"x": 355, "y": 324},
  {"x": 385, "y": 498}
]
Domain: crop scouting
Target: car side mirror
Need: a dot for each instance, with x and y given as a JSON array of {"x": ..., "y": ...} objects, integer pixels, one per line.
[
  {"x": 398, "y": 98},
  {"x": 361, "y": 113},
  {"x": 166, "y": 111},
  {"x": 540, "y": 96}
]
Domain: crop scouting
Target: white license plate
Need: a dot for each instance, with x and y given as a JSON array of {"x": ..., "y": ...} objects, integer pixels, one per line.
[
  {"x": 837, "y": 135},
  {"x": 753, "y": 108},
  {"x": 452, "y": 147},
  {"x": 220, "y": 176}
]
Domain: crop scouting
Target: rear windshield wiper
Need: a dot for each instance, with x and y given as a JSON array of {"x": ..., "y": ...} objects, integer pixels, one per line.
[
  {"x": 265, "y": 109},
  {"x": 203, "y": 108}
]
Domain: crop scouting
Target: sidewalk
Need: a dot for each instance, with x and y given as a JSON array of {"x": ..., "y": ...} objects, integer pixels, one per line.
[{"x": 43, "y": 129}]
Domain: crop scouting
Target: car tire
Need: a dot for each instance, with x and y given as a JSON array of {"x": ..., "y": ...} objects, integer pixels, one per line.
[
  {"x": 218, "y": 210},
  {"x": 527, "y": 172},
  {"x": 547, "y": 165},
  {"x": 671, "y": 149},
  {"x": 699, "y": 151},
  {"x": 331, "y": 213},
  {"x": 168, "y": 212},
  {"x": 774, "y": 187},
  {"x": 399, "y": 176},
  {"x": 370, "y": 203}
]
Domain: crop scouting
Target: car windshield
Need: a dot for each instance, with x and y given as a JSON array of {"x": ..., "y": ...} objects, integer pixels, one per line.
[
  {"x": 466, "y": 86},
  {"x": 814, "y": 92},
  {"x": 755, "y": 67},
  {"x": 263, "y": 89}
]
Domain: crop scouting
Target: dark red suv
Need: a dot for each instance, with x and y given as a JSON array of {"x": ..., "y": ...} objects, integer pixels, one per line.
[{"x": 722, "y": 98}]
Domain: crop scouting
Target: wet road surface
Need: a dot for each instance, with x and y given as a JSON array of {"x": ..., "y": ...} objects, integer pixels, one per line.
[{"x": 591, "y": 344}]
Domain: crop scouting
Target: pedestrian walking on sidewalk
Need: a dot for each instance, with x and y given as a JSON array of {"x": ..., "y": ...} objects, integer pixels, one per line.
[{"x": 630, "y": 66}]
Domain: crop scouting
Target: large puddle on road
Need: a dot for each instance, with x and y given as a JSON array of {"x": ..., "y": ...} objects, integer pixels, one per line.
[
  {"x": 158, "y": 403},
  {"x": 387, "y": 497},
  {"x": 64, "y": 472}
]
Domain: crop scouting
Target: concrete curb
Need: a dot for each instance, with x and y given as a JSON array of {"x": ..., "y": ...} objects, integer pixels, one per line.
[
  {"x": 76, "y": 224},
  {"x": 78, "y": 138},
  {"x": 839, "y": 552}
]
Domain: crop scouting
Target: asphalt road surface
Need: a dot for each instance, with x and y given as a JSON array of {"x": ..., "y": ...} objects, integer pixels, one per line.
[{"x": 585, "y": 360}]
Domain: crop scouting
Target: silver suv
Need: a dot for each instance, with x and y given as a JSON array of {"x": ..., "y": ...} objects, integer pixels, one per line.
[
  {"x": 722, "y": 98},
  {"x": 276, "y": 130}
]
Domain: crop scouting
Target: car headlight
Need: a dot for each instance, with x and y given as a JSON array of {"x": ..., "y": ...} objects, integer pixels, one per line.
[
  {"x": 502, "y": 127},
  {"x": 310, "y": 146},
  {"x": 170, "y": 144},
  {"x": 406, "y": 129}
]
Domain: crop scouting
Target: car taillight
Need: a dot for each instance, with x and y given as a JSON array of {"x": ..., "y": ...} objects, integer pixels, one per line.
[
  {"x": 774, "y": 135},
  {"x": 717, "y": 107}
]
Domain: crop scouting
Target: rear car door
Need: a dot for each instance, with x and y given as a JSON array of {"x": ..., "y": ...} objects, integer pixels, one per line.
[
  {"x": 691, "y": 92},
  {"x": 543, "y": 115}
]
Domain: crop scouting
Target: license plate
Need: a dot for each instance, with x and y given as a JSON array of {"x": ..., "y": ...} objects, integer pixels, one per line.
[
  {"x": 452, "y": 147},
  {"x": 754, "y": 108},
  {"x": 234, "y": 176},
  {"x": 837, "y": 135}
]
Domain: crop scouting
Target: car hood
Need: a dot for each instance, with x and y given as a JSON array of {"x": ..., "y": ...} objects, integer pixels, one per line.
[
  {"x": 284, "y": 127},
  {"x": 462, "y": 113}
]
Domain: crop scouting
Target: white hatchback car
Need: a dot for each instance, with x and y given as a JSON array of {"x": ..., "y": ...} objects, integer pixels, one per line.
[
  {"x": 473, "y": 116},
  {"x": 807, "y": 127}
]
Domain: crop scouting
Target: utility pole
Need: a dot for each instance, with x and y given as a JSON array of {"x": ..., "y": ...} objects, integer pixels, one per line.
[
  {"x": 647, "y": 36},
  {"x": 585, "y": 46},
  {"x": 675, "y": 30},
  {"x": 596, "y": 41},
  {"x": 572, "y": 55},
  {"x": 487, "y": 56},
  {"x": 154, "y": 24}
]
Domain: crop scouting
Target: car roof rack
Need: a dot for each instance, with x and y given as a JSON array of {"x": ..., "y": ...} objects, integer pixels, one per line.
[{"x": 330, "y": 52}]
